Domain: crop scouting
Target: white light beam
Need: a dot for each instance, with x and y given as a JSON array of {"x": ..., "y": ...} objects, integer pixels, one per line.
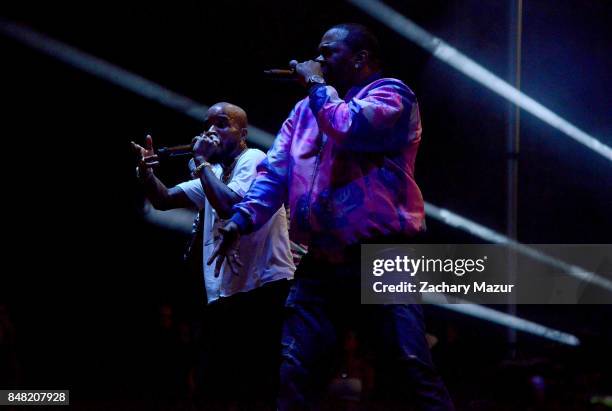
[
  {"x": 117, "y": 75},
  {"x": 476, "y": 72}
]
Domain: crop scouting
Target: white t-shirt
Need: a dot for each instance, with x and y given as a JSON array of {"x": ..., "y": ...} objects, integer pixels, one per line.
[{"x": 265, "y": 254}]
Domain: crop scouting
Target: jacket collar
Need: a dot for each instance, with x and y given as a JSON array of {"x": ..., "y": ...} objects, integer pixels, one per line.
[{"x": 357, "y": 88}]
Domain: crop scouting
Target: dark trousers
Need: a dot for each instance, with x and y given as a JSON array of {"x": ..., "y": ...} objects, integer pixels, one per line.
[
  {"x": 239, "y": 360},
  {"x": 323, "y": 301}
]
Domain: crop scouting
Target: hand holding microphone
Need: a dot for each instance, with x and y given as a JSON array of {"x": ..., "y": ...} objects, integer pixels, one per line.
[
  {"x": 201, "y": 148},
  {"x": 204, "y": 146},
  {"x": 283, "y": 74},
  {"x": 184, "y": 150},
  {"x": 301, "y": 72}
]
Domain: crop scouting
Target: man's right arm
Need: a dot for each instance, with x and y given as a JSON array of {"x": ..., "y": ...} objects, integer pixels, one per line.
[
  {"x": 160, "y": 196},
  {"x": 163, "y": 198}
]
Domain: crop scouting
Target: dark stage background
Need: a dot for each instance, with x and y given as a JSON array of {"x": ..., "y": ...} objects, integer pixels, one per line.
[{"x": 84, "y": 276}]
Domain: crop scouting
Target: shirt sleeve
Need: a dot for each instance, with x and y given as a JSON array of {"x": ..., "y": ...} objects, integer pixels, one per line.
[
  {"x": 384, "y": 119},
  {"x": 245, "y": 171},
  {"x": 194, "y": 190},
  {"x": 269, "y": 191}
]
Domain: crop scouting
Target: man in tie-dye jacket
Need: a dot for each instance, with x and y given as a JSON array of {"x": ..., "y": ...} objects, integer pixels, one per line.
[{"x": 344, "y": 163}]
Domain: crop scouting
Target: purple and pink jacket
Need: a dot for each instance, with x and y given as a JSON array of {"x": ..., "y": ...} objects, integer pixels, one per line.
[{"x": 344, "y": 167}]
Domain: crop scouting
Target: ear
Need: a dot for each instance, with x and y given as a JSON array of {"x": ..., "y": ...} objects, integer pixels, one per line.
[
  {"x": 243, "y": 133},
  {"x": 362, "y": 57}
]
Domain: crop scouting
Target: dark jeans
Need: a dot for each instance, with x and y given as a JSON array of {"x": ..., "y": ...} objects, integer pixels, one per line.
[{"x": 325, "y": 300}]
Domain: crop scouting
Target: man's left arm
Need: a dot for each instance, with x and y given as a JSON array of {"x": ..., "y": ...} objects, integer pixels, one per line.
[
  {"x": 385, "y": 119},
  {"x": 243, "y": 176},
  {"x": 221, "y": 197}
]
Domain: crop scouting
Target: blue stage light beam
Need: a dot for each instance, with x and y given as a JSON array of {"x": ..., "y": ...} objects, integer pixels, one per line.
[
  {"x": 459, "y": 61},
  {"x": 116, "y": 75},
  {"x": 504, "y": 319},
  {"x": 455, "y": 220}
]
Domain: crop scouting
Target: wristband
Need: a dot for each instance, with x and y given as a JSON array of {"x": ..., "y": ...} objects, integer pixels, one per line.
[{"x": 199, "y": 168}]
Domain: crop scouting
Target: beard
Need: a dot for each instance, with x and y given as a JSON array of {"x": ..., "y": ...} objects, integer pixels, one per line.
[
  {"x": 338, "y": 78},
  {"x": 215, "y": 158},
  {"x": 221, "y": 154}
]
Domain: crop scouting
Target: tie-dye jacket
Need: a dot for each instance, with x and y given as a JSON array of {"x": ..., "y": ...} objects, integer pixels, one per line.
[{"x": 344, "y": 167}]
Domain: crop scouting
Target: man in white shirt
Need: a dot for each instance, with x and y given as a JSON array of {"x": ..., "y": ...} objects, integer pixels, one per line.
[{"x": 225, "y": 169}]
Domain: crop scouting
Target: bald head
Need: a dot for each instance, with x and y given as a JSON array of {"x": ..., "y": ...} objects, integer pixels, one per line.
[{"x": 232, "y": 111}]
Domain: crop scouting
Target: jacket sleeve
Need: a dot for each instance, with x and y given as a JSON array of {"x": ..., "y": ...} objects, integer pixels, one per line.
[
  {"x": 384, "y": 119},
  {"x": 269, "y": 190}
]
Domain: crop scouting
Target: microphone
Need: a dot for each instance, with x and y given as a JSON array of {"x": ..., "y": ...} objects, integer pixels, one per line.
[
  {"x": 283, "y": 74},
  {"x": 175, "y": 151}
]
